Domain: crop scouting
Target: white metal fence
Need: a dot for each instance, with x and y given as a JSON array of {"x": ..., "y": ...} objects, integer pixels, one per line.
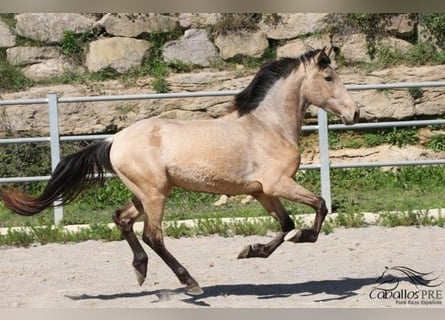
[{"x": 53, "y": 102}]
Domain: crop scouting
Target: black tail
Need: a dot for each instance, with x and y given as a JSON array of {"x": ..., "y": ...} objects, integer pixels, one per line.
[{"x": 72, "y": 175}]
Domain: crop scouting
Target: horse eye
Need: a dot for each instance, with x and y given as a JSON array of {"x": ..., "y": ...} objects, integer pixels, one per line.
[{"x": 328, "y": 78}]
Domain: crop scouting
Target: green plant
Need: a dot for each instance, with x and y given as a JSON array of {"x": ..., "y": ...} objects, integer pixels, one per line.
[
  {"x": 407, "y": 136},
  {"x": 155, "y": 65},
  {"x": 347, "y": 139},
  {"x": 73, "y": 44},
  {"x": 350, "y": 219},
  {"x": 374, "y": 139},
  {"x": 56, "y": 234},
  {"x": 178, "y": 230},
  {"x": 327, "y": 227},
  {"x": 8, "y": 18},
  {"x": 125, "y": 108},
  {"x": 395, "y": 136},
  {"x": 12, "y": 78},
  {"x": 353, "y": 190},
  {"x": 24, "y": 159},
  {"x": 410, "y": 218},
  {"x": 416, "y": 92},
  {"x": 180, "y": 66},
  {"x": 232, "y": 22},
  {"x": 435, "y": 22},
  {"x": 211, "y": 226},
  {"x": 386, "y": 56},
  {"x": 423, "y": 53},
  {"x": 437, "y": 142},
  {"x": 373, "y": 25},
  {"x": 160, "y": 84}
]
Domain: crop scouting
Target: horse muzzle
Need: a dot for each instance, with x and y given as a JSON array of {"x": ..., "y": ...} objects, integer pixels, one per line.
[{"x": 351, "y": 119}]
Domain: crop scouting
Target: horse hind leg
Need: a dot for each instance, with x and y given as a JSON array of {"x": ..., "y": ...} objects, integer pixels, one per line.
[
  {"x": 153, "y": 236},
  {"x": 124, "y": 219},
  {"x": 274, "y": 207}
]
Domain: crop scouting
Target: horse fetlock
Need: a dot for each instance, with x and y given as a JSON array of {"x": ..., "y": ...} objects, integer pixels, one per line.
[{"x": 309, "y": 235}]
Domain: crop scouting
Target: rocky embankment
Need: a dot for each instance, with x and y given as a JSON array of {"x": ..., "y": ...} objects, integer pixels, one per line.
[{"x": 121, "y": 42}]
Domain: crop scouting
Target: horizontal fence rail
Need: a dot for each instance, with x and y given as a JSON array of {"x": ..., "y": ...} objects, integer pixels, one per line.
[{"x": 54, "y": 139}]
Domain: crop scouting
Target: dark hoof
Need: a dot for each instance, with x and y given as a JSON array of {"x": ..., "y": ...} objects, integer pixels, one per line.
[
  {"x": 140, "y": 277},
  {"x": 245, "y": 253},
  {"x": 194, "y": 290}
]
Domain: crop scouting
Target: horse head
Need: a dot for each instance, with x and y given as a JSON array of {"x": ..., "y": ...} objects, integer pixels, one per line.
[{"x": 323, "y": 88}]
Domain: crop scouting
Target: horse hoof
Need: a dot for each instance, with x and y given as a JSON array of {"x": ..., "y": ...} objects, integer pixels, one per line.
[
  {"x": 140, "y": 278},
  {"x": 194, "y": 290},
  {"x": 293, "y": 235},
  {"x": 245, "y": 252}
]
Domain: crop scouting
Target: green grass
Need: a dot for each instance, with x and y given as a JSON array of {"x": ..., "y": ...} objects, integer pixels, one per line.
[
  {"x": 210, "y": 226},
  {"x": 55, "y": 234},
  {"x": 12, "y": 78},
  {"x": 410, "y": 191},
  {"x": 353, "y": 191},
  {"x": 437, "y": 142},
  {"x": 410, "y": 218},
  {"x": 371, "y": 138}
]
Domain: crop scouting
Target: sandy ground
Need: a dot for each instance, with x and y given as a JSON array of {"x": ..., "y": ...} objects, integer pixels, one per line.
[{"x": 340, "y": 270}]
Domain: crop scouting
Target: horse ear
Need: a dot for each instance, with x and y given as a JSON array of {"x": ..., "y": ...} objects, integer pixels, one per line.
[
  {"x": 323, "y": 59},
  {"x": 330, "y": 51}
]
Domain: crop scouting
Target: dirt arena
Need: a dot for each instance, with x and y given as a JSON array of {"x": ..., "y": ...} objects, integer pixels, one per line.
[{"x": 340, "y": 270}]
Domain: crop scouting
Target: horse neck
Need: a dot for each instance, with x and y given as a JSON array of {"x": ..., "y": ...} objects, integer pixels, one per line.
[{"x": 283, "y": 108}]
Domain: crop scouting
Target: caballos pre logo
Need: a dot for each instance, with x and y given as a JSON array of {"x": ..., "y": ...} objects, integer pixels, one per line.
[{"x": 423, "y": 288}]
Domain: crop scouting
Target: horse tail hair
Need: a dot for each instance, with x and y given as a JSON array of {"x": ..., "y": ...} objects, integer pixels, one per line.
[{"x": 74, "y": 174}]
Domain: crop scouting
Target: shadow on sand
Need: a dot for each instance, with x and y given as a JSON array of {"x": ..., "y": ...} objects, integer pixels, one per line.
[{"x": 338, "y": 290}]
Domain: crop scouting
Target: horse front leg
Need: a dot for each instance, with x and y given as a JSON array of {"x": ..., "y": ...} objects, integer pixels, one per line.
[
  {"x": 274, "y": 207},
  {"x": 124, "y": 219},
  {"x": 311, "y": 234},
  {"x": 287, "y": 188}
]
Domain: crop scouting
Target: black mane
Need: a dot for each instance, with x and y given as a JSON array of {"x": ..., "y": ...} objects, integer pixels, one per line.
[{"x": 248, "y": 99}]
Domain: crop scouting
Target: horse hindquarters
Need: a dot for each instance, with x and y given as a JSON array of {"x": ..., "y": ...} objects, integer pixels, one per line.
[{"x": 147, "y": 180}]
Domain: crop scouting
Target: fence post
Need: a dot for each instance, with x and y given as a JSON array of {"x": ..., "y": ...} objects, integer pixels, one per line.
[
  {"x": 55, "y": 146},
  {"x": 323, "y": 141}
]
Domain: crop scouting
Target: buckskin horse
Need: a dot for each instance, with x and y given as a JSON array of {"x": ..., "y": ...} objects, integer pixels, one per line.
[{"x": 253, "y": 150}]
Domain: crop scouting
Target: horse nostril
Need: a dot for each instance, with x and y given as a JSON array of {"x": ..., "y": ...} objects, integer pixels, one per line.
[{"x": 356, "y": 116}]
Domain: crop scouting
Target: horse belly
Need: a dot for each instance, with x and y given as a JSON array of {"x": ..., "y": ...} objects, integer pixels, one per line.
[{"x": 201, "y": 177}]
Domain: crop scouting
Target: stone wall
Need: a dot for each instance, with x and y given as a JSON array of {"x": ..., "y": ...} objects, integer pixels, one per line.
[{"x": 120, "y": 42}]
